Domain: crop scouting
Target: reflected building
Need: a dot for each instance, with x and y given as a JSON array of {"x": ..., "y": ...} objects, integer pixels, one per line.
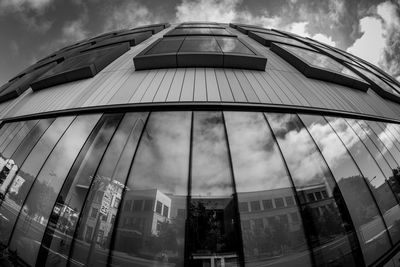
[{"x": 200, "y": 144}]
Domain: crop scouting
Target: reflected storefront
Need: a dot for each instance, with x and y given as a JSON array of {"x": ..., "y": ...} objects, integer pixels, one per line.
[{"x": 199, "y": 188}]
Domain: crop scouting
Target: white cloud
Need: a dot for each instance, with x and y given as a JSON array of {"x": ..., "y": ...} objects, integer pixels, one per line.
[
  {"x": 207, "y": 10},
  {"x": 380, "y": 42},
  {"x": 129, "y": 15},
  {"x": 372, "y": 43},
  {"x": 21, "y": 5},
  {"x": 300, "y": 28},
  {"x": 231, "y": 11}
]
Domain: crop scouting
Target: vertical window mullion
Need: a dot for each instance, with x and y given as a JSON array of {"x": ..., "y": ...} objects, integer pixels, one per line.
[
  {"x": 117, "y": 216},
  {"x": 294, "y": 191},
  {"x": 235, "y": 196}
]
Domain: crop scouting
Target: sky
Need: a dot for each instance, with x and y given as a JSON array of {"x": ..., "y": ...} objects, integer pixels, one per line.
[{"x": 32, "y": 29}]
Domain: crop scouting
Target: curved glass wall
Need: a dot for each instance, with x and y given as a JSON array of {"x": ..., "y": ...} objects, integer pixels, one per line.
[{"x": 198, "y": 188}]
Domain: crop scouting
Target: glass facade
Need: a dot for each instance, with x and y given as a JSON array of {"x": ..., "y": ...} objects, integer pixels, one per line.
[{"x": 199, "y": 188}]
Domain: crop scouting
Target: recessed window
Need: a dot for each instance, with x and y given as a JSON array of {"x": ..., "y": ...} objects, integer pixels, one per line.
[
  {"x": 268, "y": 38},
  {"x": 17, "y": 86},
  {"x": 201, "y": 31},
  {"x": 378, "y": 81},
  {"x": 318, "y": 66},
  {"x": 133, "y": 39},
  {"x": 79, "y": 67},
  {"x": 199, "y": 51}
]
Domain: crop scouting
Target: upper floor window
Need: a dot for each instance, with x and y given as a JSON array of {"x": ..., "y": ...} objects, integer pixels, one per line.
[
  {"x": 200, "y": 51},
  {"x": 319, "y": 66}
]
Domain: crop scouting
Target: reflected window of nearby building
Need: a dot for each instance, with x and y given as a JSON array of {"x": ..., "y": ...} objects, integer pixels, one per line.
[
  {"x": 289, "y": 201},
  {"x": 159, "y": 207},
  {"x": 165, "y": 211},
  {"x": 148, "y": 205},
  {"x": 243, "y": 207},
  {"x": 255, "y": 205},
  {"x": 94, "y": 212},
  {"x": 311, "y": 197},
  {"x": 267, "y": 203},
  {"x": 324, "y": 194},
  {"x": 279, "y": 203}
]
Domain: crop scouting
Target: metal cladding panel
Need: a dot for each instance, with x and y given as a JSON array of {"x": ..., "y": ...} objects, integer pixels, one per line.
[{"x": 279, "y": 84}]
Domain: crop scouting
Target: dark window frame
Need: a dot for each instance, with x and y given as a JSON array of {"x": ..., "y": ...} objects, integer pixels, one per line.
[
  {"x": 144, "y": 61},
  {"x": 315, "y": 72},
  {"x": 82, "y": 70}
]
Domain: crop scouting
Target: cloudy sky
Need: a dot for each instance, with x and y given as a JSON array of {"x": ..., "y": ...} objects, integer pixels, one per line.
[{"x": 31, "y": 29}]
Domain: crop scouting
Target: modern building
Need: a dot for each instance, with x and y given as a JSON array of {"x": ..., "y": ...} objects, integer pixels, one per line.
[{"x": 200, "y": 144}]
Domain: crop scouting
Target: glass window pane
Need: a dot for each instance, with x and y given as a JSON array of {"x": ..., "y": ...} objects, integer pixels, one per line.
[
  {"x": 377, "y": 80},
  {"x": 386, "y": 138},
  {"x": 166, "y": 45},
  {"x": 90, "y": 247},
  {"x": 321, "y": 61},
  {"x": 376, "y": 181},
  {"x": 8, "y": 132},
  {"x": 18, "y": 138},
  {"x": 387, "y": 153},
  {"x": 261, "y": 176},
  {"x": 371, "y": 147},
  {"x": 200, "y": 44},
  {"x": 212, "y": 225},
  {"x": 217, "y": 31},
  {"x": 233, "y": 45},
  {"x": 43, "y": 194},
  {"x": 12, "y": 165},
  {"x": 281, "y": 39},
  {"x": 369, "y": 226},
  {"x": 159, "y": 175},
  {"x": 24, "y": 178},
  {"x": 63, "y": 219},
  {"x": 325, "y": 220},
  {"x": 190, "y": 31}
]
